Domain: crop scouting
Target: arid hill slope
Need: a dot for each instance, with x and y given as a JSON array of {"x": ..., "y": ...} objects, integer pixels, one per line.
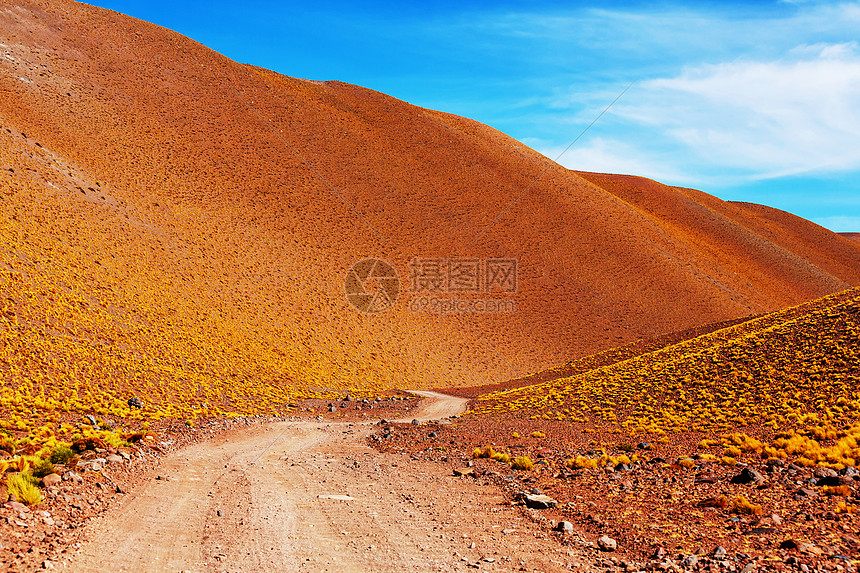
[{"x": 170, "y": 214}]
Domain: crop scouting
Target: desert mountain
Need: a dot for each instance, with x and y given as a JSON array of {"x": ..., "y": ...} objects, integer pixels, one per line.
[{"x": 172, "y": 219}]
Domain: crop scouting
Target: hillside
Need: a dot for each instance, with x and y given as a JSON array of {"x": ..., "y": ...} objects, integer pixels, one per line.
[
  {"x": 178, "y": 227},
  {"x": 746, "y": 438}
]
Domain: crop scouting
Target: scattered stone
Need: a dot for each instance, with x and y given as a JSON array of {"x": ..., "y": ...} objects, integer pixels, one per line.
[
  {"x": 806, "y": 492},
  {"x": 73, "y": 477},
  {"x": 707, "y": 477},
  {"x": 821, "y": 472},
  {"x": 748, "y": 475},
  {"x": 606, "y": 543},
  {"x": 52, "y": 480},
  {"x": 113, "y": 459},
  {"x": 788, "y": 544},
  {"x": 20, "y": 507},
  {"x": 135, "y": 402},
  {"x": 564, "y": 527},
  {"x": 416, "y": 423},
  {"x": 540, "y": 502},
  {"x": 464, "y": 472},
  {"x": 719, "y": 552},
  {"x": 690, "y": 561},
  {"x": 748, "y": 568}
]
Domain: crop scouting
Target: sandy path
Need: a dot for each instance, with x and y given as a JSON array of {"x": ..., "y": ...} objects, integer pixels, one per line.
[{"x": 256, "y": 500}]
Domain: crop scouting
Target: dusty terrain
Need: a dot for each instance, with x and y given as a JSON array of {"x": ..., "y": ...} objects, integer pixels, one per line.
[
  {"x": 176, "y": 231},
  {"x": 312, "y": 496}
]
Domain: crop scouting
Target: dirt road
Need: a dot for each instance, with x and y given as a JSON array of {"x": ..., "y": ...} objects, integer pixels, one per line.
[{"x": 303, "y": 496}]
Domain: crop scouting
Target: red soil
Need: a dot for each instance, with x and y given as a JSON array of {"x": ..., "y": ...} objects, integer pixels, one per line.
[{"x": 246, "y": 194}]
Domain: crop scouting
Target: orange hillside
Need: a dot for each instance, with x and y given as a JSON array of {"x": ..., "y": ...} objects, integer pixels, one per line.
[{"x": 168, "y": 214}]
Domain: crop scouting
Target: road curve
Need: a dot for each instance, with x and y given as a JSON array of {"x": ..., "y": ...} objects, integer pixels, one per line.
[{"x": 312, "y": 496}]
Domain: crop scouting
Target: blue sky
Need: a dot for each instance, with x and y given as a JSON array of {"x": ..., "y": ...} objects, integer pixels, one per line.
[{"x": 750, "y": 101}]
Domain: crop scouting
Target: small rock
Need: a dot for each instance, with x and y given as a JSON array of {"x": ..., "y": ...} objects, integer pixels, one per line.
[
  {"x": 464, "y": 471},
  {"x": 707, "y": 477},
  {"x": 821, "y": 472},
  {"x": 52, "y": 480},
  {"x": 606, "y": 543},
  {"x": 113, "y": 459},
  {"x": 690, "y": 561},
  {"x": 564, "y": 527},
  {"x": 135, "y": 402},
  {"x": 416, "y": 423},
  {"x": 17, "y": 506},
  {"x": 719, "y": 552},
  {"x": 748, "y": 475},
  {"x": 540, "y": 502},
  {"x": 748, "y": 568},
  {"x": 806, "y": 492}
]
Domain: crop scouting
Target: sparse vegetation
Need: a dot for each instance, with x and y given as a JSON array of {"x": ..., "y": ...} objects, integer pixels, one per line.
[
  {"x": 25, "y": 489},
  {"x": 522, "y": 463},
  {"x": 61, "y": 454}
]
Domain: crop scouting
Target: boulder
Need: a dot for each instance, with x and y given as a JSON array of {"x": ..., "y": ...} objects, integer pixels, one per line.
[
  {"x": 540, "y": 501},
  {"x": 606, "y": 543},
  {"x": 52, "y": 480}
]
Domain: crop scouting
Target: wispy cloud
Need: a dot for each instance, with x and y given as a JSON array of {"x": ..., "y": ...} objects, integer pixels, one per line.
[
  {"x": 796, "y": 115},
  {"x": 839, "y": 224}
]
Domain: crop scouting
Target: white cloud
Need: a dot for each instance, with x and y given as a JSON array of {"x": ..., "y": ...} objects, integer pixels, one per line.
[
  {"x": 796, "y": 115},
  {"x": 839, "y": 224},
  {"x": 606, "y": 155}
]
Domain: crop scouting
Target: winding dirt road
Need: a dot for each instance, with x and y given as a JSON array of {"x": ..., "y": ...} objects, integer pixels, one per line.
[{"x": 304, "y": 496}]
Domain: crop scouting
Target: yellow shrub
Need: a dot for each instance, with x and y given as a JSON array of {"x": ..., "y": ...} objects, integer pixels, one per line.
[
  {"x": 581, "y": 463},
  {"x": 538, "y": 434},
  {"x": 728, "y": 461},
  {"x": 24, "y": 489},
  {"x": 502, "y": 457},
  {"x": 742, "y": 506},
  {"x": 522, "y": 463},
  {"x": 843, "y": 490},
  {"x": 687, "y": 463},
  {"x": 487, "y": 452}
]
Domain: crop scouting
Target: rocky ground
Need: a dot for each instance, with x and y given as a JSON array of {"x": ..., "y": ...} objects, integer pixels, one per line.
[
  {"x": 42, "y": 536},
  {"x": 422, "y": 497},
  {"x": 668, "y": 511}
]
